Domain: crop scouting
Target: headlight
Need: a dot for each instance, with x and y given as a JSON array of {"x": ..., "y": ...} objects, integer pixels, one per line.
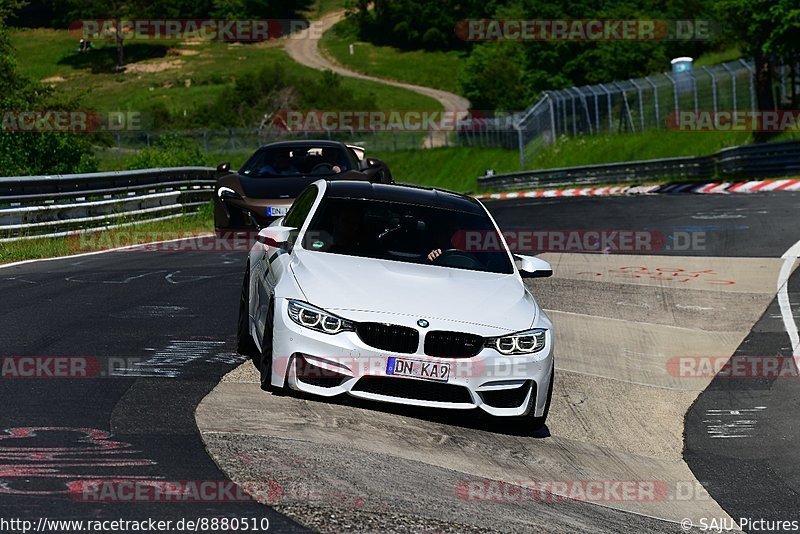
[
  {"x": 526, "y": 342},
  {"x": 317, "y": 319},
  {"x": 227, "y": 192}
]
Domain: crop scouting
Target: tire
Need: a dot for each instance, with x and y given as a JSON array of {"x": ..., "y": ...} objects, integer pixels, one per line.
[
  {"x": 265, "y": 363},
  {"x": 244, "y": 341},
  {"x": 532, "y": 423}
]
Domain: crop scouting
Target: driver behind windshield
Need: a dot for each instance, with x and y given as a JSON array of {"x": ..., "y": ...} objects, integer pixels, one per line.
[
  {"x": 444, "y": 237},
  {"x": 333, "y": 157},
  {"x": 280, "y": 164}
]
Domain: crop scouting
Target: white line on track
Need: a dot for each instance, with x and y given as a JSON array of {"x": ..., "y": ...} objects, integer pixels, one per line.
[
  {"x": 789, "y": 259},
  {"x": 106, "y": 251}
]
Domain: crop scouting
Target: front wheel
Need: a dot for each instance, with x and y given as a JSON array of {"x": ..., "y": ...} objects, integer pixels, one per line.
[
  {"x": 244, "y": 341},
  {"x": 265, "y": 366}
]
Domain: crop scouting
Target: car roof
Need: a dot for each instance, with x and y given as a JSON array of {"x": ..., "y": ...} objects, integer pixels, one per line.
[
  {"x": 409, "y": 194},
  {"x": 305, "y": 142}
]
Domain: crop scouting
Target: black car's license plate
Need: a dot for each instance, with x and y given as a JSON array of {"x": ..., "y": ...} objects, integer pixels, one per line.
[{"x": 276, "y": 211}]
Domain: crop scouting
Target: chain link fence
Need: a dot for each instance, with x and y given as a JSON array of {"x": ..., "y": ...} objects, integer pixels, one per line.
[
  {"x": 474, "y": 133},
  {"x": 641, "y": 104}
]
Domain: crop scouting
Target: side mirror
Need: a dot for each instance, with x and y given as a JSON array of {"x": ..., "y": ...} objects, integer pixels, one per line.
[
  {"x": 532, "y": 267},
  {"x": 224, "y": 167},
  {"x": 274, "y": 236}
]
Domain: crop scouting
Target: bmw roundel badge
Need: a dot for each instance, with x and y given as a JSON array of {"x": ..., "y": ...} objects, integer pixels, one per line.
[{"x": 422, "y": 323}]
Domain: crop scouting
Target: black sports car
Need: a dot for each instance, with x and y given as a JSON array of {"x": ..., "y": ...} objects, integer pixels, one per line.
[{"x": 264, "y": 188}]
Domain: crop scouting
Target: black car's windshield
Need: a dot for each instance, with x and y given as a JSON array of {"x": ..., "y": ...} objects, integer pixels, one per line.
[
  {"x": 409, "y": 233},
  {"x": 297, "y": 160}
]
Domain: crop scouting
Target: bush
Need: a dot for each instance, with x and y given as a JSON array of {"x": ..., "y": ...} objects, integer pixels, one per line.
[{"x": 170, "y": 150}]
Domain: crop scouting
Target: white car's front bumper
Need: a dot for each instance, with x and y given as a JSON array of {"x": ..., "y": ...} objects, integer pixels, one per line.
[{"x": 329, "y": 365}]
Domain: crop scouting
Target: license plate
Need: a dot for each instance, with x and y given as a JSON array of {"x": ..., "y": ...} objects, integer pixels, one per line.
[
  {"x": 418, "y": 369},
  {"x": 276, "y": 211}
]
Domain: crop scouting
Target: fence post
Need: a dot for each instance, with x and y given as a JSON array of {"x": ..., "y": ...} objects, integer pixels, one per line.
[
  {"x": 641, "y": 104},
  {"x": 596, "y": 110},
  {"x": 783, "y": 81},
  {"x": 655, "y": 100},
  {"x": 713, "y": 88},
  {"x": 552, "y": 118},
  {"x": 752, "y": 84},
  {"x": 674, "y": 93},
  {"x": 520, "y": 145},
  {"x": 608, "y": 102},
  {"x": 733, "y": 84}
]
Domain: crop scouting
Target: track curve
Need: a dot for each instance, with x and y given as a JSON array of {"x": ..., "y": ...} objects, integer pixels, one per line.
[
  {"x": 617, "y": 414},
  {"x": 618, "y": 410}
]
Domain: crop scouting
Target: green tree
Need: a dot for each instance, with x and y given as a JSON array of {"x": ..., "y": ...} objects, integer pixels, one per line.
[
  {"x": 108, "y": 10},
  {"x": 494, "y": 77},
  {"x": 767, "y": 30},
  {"x": 28, "y": 153}
]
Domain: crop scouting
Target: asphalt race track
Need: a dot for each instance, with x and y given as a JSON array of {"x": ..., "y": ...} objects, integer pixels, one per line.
[
  {"x": 164, "y": 316},
  {"x": 704, "y": 285}
]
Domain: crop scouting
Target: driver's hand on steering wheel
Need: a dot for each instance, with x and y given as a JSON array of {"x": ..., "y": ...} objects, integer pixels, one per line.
[
  {"x": 336, "y": 169},
  {"x": 434, "y": 254}
]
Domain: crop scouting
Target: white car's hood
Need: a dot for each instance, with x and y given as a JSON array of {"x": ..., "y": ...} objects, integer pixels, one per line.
[{"x": 338, "y": 282}]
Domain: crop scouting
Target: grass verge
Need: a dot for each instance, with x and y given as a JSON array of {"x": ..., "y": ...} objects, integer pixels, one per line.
[
  {"x": 47, "y": 247},
  {"x": 456, "y": 169},
  {"x": 594, "y": 150},
  {"x": 439, "y": 70}
]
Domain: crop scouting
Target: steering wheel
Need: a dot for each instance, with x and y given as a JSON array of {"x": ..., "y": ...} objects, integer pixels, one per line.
[
  {"x": 452, "y": 257},
  {"x": 324, "y": 166}
]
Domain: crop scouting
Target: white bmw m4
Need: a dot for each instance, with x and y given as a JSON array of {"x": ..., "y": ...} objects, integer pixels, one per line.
[{"x": 397, "y": 294}]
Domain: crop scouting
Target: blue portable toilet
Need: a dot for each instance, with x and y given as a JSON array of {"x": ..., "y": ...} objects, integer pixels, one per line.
[{"x": 681, "y": 64}]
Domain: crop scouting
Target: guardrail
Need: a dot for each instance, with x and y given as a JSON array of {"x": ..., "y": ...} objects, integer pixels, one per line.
[
  {"x": 766, "y": 160},
  {"x": 52, "y": 206}
]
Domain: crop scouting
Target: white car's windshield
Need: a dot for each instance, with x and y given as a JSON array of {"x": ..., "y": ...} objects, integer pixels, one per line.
[{"x": 408, "y": 233}]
